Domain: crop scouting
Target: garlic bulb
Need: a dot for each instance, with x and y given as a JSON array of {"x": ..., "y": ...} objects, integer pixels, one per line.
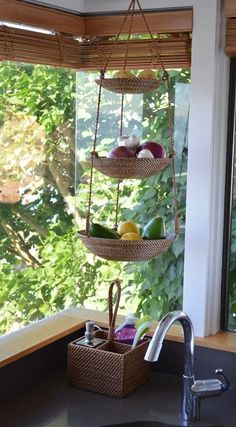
[
  {"x": 145, "y": 154},
  {"x": 133, "y": 142},
  {"x": 122, "y": 140}
]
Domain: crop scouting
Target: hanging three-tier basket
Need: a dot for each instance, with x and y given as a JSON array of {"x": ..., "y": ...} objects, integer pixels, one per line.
[{"x": 132, "y": 167}]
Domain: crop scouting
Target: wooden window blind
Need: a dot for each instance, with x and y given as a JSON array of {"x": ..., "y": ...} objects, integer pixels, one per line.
[
  {"x": 230, "y": 43},
  {"x": 38, "y": 48},
  {"x": 230, "y": 13},
  {"x": 175, "y": 51},
  {"x": 82, "y": 42},
  {"x": 230, "y": 8}
]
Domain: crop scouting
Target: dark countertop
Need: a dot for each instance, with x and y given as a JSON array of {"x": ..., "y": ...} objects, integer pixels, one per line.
[{"x": 52, "y": 403}]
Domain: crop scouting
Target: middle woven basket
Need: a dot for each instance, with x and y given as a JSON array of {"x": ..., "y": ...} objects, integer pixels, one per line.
[
  {"x": 122, "y": 168},
  {"x": 125, "y": 250}
]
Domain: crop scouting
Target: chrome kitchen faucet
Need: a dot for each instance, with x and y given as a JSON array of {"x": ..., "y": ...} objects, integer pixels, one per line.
[{"x": 193, "y": 390}]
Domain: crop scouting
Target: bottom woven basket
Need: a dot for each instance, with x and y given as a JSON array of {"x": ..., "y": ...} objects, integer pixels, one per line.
[
  {"x": 112, "y": 368},
  {"x": 125, "y": 250}
]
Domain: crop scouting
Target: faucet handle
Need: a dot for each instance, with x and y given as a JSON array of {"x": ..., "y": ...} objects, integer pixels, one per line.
[
  {"x": 211, "y": 387},
  {"x": 224, "y": 381}
]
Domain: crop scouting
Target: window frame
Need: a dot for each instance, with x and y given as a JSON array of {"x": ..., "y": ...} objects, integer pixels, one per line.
[{"x": 229, "y": 177}]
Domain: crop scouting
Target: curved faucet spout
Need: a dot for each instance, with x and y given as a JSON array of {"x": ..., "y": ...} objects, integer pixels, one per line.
[
  {"x": 189, "y": 408},
  {"x": 193, "y": 390},
  {"x": 155, "y": 345}
]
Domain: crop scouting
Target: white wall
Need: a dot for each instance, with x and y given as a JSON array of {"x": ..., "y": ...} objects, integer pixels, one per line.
[
  {"x": 70, "y": 5},
  {"x": 206, "y": 169}
]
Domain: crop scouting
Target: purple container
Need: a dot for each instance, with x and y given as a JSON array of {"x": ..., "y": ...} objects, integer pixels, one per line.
[{"x": 126, "y": 331}]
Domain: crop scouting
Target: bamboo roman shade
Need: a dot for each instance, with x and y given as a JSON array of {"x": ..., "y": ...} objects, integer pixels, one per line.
[
  {"x": 83, "y": 43},
  {"x": 230, "y": 44},
  {"x": 230, "y": 13},
  {"x": 175, "y": 51},
  {"x": 38, "y": 48}
]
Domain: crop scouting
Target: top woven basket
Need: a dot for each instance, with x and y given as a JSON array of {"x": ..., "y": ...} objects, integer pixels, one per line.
[
  {"x": 129, "y": 85},
  {"x": 122, "y": 168}
]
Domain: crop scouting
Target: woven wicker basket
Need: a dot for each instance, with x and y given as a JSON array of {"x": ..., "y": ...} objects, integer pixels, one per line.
[
  {"x": 113, "y": 368},
  {"x": 125, "y": 250},
  {"x": 122, "y": 168},
  {"x": 129, "y": 85}
]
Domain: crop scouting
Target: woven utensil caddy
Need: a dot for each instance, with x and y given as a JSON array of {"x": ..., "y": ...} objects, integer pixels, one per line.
[{"x": 112, "y": 368}]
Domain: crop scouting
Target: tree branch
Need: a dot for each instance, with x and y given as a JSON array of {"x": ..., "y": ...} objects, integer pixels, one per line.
[
  {"x": 28, "y": 219},
  {"x": 63, "y": 188},
  {"x": 19, "y": 244}
]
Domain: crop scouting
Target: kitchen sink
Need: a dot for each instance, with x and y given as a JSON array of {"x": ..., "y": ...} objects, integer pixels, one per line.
[
  {"x": 142, "y": 424},
  {"x": 146, "y": 424}
]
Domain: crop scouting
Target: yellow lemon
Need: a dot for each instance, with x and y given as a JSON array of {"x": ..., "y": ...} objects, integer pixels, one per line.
[
  {"x": 131, "y": 236},
  {"x": 147, "y": 74},
  {"x": 127, "y": 227},
  {"x": 123, "y": 74}
]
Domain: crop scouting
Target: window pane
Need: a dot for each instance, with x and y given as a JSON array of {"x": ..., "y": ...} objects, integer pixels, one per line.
[
  {"x": 232, "y": 259},
  {"x": 152, "y": 287},
  {"x": 37, "y": 121}
]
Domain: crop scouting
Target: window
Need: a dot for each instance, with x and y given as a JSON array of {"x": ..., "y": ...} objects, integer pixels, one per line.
[
  {"x": 37, "y": 122},
  {"x": 229, "y": 254},
  {"x": 38, "y": 273}
]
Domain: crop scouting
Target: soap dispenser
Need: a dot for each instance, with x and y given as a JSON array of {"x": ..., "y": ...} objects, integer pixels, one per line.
[
  {"x": 89, "y": 339},
  {"x": 125, "y": 333}
]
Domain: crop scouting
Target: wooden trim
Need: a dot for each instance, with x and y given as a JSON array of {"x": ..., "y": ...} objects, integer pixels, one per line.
[
  {"x": 64, "y": 22},
  {"x": 31, "y": 338},
  {"x": 230, "y": 8},
  {"x": 159, "y": 22},
  {"x": 230, "y": 43},
  {"x": 19, "y": 344},
  {"x": 44, "y": 17},
  {"x": 174, "y": 50}
]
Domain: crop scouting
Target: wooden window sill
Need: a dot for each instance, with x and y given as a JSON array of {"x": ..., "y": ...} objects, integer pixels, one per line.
[{"x": 18, "y": 344}]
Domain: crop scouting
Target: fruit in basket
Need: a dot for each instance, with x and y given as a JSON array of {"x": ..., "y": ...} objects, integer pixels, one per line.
[
  {"x": 131, "y": 141},
  {"x": 145, "y": 154},
  {"x": 123, "y": 74},
  {"x": 156, "y": 149},
  {"x": 131, "y": 236},
  {"x": 120, "y": 151},
  {"x": 127, "y": 227},
  {"x": 147, "y": 74},
  {"x": 154, "y": 229},
  {"x": 98, "y": 230}
]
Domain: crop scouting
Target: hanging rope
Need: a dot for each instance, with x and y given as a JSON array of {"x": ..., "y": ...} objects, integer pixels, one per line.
[
  {"x": 93, "y": 154},
  {"x": 155, "y": 42},
  {"x": 132, "y": 3},
  {"x": 61, "y": 47},
  {"x": 172, "y": 154},
  {"x": 9, "y": 42},
  {"x": 117, "y": 203},
  {"x": 129, "y": 34},
  {"x": 130, "y": 12}
]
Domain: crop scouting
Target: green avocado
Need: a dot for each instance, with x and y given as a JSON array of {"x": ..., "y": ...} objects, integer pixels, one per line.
[
  {"x": 154, "y": 229},
  {"x": 98, "y": 230}
]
